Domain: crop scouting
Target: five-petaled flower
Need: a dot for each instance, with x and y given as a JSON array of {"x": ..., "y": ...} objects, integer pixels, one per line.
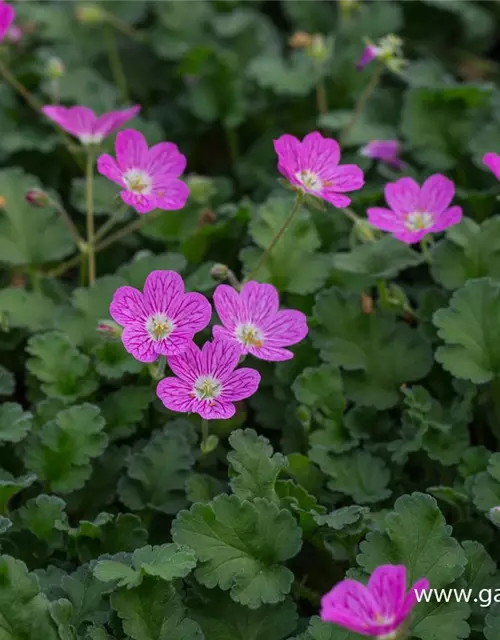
[
  {"x": 253, "y": 322},
  {"x": 207, "y": 381},
  {"x": 163, "y": 319},
  {"x": 7, "y": 15},
  {"x": 386, "y": 151},
  {"x": 414, "y": 212},
  {"x": 378, "y": 609},
  {"x": 492, "y": 161},
  {"x": 312, "y": 166},
  {"x": 148, "y": 177},
  {"x": 83, "y": 123}
]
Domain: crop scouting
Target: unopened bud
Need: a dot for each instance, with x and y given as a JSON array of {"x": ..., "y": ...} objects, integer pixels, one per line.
[
  {"x": 209, "y": 445},
  {"x": 55, "y": 68},
  {"x": 318, "y": 48},
  {"x": 201, "y": 188},
  {"x": 494, "y": 516},
  {"x": 303, "y": 414},
  {"x": 300, "y": 40},
  {"x": 207, "y": 216},
  {"x": 109, "y": 330},
  {"x": 37, "y": 198},
  {"x": 366, "y": 303},
  {"x": 219, "y": 272},
  {"x": 90, "y": 13}
]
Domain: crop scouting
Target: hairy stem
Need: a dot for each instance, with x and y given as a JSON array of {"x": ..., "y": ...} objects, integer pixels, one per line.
[
  {"x": 363, "y": 99},
  {"x": 89, "y": 198}
]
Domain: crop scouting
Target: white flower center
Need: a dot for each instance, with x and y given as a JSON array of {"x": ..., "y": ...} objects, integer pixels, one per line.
[
  {"x": 419, "y": 221},
  {"x": 90, "y": 138},
  {"x": 309, "y": 179},
  {"x": 206, "y": 388},
  {"x": 249, "y": 335},
  {"x": 159, "y": 326},
  {"x": 138, "y": 181}
]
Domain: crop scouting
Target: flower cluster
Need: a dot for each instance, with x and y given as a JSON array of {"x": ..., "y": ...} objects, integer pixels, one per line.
[{"x": 163, "y": 320}]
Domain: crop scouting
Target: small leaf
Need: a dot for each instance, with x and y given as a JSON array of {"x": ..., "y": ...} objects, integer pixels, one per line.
[
  {"x": 45, "y": 517},
  {"x": 9, "y": 486},
  {"x": 321, "y": 388},
  {"x": 14, "y": 422},
  {"x": 27, "y": 309}
]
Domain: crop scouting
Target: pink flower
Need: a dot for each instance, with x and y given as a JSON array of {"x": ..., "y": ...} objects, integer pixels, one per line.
[
  {"x": 253, "y": 323},
  {"x": 7, "y": 15},
  {"x": 85, "y": 125},
  {"x": 384, "y": 150},
  {"x": 312, "y": 166},
  {"x": 378, "y": 609},
  {"x": 369, "y": 53},
  {"x": 149, "y": 177},
  {"x": 207, "y": 382},
  {"x": 492, "y": 161},
  {"x": 14, "y": 34},
  {"x": 162, "y": 320},
  {"x": 414, "y": 212}
]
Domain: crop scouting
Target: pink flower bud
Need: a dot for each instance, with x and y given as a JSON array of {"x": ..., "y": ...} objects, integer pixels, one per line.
[{"x": 37, "y": 198}]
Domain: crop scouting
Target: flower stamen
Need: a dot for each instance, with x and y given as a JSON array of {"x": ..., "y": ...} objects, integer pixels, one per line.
[
  {"x": 138, "y": 181},
  {"x": 309, "y": 180},
  {"x": 159, "y": 326},
  {"x": 249, "y": 335},
  {"x": 419, "y": 221}
]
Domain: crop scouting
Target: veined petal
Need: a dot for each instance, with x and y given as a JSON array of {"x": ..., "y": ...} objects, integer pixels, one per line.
[
  {"x": 165, "y": 159},
  {"x": 386, "y": 219},
  {"x": 388, "y": 586},
  {"x": 228, "y": 306},
  {"x": 137, "y": 341},
  {"x": 345, "y": 177},
  {"x": 75, "y": 120},
  {"x": 319, "y": 154},
  {"x": 174, "y": 393},
  {"x": 286, "y": 327},
  {"x": 171, "y": 195},
  {"x": 258, "y": 301},
  {"x": 219, "y": 358},
  {"x": 131, "y": 150},
  {"x": 109, "y": 122},
  {"x": 106, "y": 165},
  {"x": 128, "y": 306},
  {"x": 492, "y": 161},
  {"x": 141, "y": 203},
  {"x": 187, "y": 366},
  {"x": 402, "y": 196},
  {"x": 288, "y": 149},
  {"x": 162, "y": 289},
  {"x": 448, "y": 218},
  {"x": 436, "y": 194},
  {"x": 242, "y": 384}
]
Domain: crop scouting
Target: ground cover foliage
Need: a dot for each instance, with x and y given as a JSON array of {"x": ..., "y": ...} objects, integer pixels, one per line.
[{"x": 376, "y": 444}]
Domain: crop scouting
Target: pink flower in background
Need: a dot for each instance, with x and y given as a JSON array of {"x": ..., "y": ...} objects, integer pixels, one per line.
[
  {"x": 369, "y": 54},
  {"x": 377, "y": 609},
  {"x": 7, "y": 15},
  {"x": 384, "y": 150},
  {"x": 85, "y": 125},
  {"x": 148, "y": 177},
  {"x": 14, "y": 34},
  {"x": 414, "y": 212},
  {"x": 207, "y": 381},
  {"x": 312, "y": 166},
  {"x": 252, "y": 321},
  {"x": 163, "y": 319},
  {"x": 492, "y": 161}
]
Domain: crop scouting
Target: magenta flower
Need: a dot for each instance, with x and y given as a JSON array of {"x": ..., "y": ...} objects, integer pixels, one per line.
[
  {"x": 162, "y": 320},
  {"x": 7, "y": 15},
  {"x": 207, "y": 382},
  {"x": 254, "y": 324},
  {"x": 369, "y": 53},
  {"x": 377, "y": 609},
  {"x": 386, "y": 151},
  {"x": 414, "y": 212},
  {"x": 85, "y": 125},
  {"x": 312, "y": 166},
  {"x": 148, "y": 177},
  {"x": 492, "y": 161}
]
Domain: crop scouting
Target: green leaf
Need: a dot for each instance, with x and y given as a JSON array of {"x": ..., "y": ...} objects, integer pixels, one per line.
[
  {"x": 357, "y": 474},
  {"x": 319, "y": 630},
  {"x": 87, "y": 595},
  {"x": 480, "y": 573},
  {"x": 219, "y": 617},
  {"x": 113, "y": 362},
  {"x": 321, "y": 389},
  {"x": 156, "y": 476},
  {"x": 469, "y": 251},
  {"x": 105, "y": 198},
  {"x": 27, "y": 309},
  {"x": 60, "y": 451},
  {"x": 45, "y": 517},
  {"x": 14, "y": 422},
  {"x": 294, "y": 265},
  {"x": 65, "y": 373},
  {"x": 167, "y": 562},
  {"x": 470, "y": 331},
  {"x": 377, "y": 352},
  {"x": 253, "y": 466},
  {"x": 416, "y": 534},
  {"x": 9, "y": 486},
  {"x": 492, "y": 629},
  {"x": 486, "y": 487},
  {"x": 7, "y": 382},
  {"x": 29, "y": 235},
  {"x": 345, "y": 521},
  {"x": 241, "y": 546},
  {"x": 384, "y": 258},
  {"x": 24, "y": 610},
  {"x": 124, "y": 408},
  {"x": 154, "y": 611},
  {"x": 294, "y": 77}
]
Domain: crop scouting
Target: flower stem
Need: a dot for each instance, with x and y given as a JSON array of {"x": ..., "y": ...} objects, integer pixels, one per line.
[
  {"x": 425, "y": 246},
  {"x": 321, "y": 100},
  {"x": 110, "y": 222},
  {"x": 276, "y": 239},
  {"x": 359, "y": 222},
  {"x": 122, "y": 26},
  {"x": 204, "y": 432},
  {"x": 125, "y": 231},
  {"x": 363, "y": 99},
  {"x": 383, "y": 294},
  {"x": 89, "y": 197},
  {"x": 115, "y": 62}
]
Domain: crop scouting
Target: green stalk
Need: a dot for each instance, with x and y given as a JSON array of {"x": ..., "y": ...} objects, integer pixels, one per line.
[
  {"x": 89, "y": 197},
  {"x": 363, "y": 99}
]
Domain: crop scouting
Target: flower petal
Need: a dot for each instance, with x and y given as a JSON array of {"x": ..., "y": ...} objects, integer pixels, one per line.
[
  {"x": 492, "y": 161},
  {"x": 137, "y": 341},
  {"x": 128, "y": 306},
  {"x": 410, "y": 237},
  {"x": 335, "y": 199},
  {"x": 187, "y": 366},
  {"x": 174, "y": 394},
  {"x": 172, "y": 195},
  {"x": 270, "y": 353},
  {"x": 7, "y": 16},
  {"x": 75, "y": 120},
  {"x": 109, "y": 122},
  {"x": 402, "y": 196},
  {"x": 318, "y": 154},
  {"x": 258, "y": 301},
  {"x": 219, "y": 410},
  {"x": 288, "y": 149},
  {"x": 410, "y": 601},
  {"x": 165, "y": 159},
  {"x": 219, "y": 358},
  {"x": 228, "y": 306},
  {"x": 351, "y": 605},
  {"x": 346, "y": 177},
  {"x": 141, "y": 203},
  {"x": 131, "y": 150},
  {"x": 242, "y": 384},
  {"x": 191, "y": 312},
  {"x": 448, "y": 218},
  {"x": 285, "y": 328},
  {"x": 162, "y": 289},
  {"x": 386, "y": 219},
  {"x": 106, "y": 165},
  {"x": 436, "y": 194},
  {"x": 387, "y": 584}
]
